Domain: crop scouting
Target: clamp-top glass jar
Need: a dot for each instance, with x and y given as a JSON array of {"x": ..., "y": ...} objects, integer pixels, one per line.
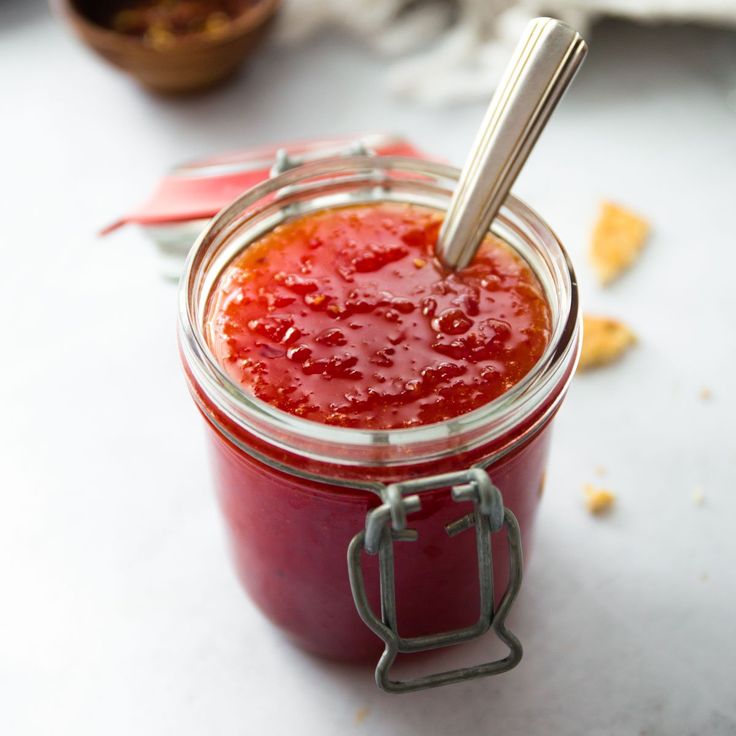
[{"x": 298, "y": 496}]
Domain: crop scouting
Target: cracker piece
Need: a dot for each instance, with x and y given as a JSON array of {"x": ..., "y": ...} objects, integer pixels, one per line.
[
  {"x": 618, "y": 239},
  {"x": 598, "y": 500},
  {"x": 604, "y": 341}
]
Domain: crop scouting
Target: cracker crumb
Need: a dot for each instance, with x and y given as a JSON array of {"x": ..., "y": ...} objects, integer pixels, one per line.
[
  {"x": 542, "y": 483},
  {"x": 598, "y": 500},
  {"x": 704, "y": 577},
  {"x": 360, "y": 715},
  {"x": 420, "y": 263},
  {"x": 604, "y": 341},
  {"x": 705, "y": 394},
  {"x": 600, "y": 471},
  {"x": 618, "y": 239},
  {"x": 698, "y": 497}
]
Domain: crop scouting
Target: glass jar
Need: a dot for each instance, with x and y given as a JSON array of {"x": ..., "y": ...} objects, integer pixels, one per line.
[{"x": 298, "y": 496}]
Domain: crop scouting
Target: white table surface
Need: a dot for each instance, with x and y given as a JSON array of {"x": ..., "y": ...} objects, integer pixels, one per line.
[{"x": 119, "y": 611}]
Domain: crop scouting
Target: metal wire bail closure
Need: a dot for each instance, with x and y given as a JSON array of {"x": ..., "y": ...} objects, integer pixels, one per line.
[{"x": 386, "y": 524}]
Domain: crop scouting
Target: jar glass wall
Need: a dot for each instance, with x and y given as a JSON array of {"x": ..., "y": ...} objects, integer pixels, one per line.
[{"x": 295, "y": 492}]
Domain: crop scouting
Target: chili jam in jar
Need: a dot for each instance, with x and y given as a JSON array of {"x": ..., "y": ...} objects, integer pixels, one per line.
[
  {"x": 345, "y": 317},
  {"x": 363, "y": 400}
]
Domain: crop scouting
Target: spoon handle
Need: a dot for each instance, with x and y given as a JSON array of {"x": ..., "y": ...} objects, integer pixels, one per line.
[{"x": 543, "y": 65}]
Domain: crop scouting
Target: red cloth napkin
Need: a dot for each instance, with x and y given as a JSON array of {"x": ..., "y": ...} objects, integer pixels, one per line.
[{"x": 200, "y": 189}]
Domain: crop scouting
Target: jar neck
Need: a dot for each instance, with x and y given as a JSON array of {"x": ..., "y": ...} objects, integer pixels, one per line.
[{"x": 248, "y": 422}]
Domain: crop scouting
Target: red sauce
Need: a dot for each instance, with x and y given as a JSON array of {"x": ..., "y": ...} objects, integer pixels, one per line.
[{"x": 345, "y": 317}]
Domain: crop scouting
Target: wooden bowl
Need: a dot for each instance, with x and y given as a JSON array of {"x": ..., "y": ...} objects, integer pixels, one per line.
[{"x": 192, "y": 62}]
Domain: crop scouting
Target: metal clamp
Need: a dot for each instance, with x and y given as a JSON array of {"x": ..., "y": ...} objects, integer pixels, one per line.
[
  {"x": 386, "y": 524},
  {"x": 286, "y": 161}
]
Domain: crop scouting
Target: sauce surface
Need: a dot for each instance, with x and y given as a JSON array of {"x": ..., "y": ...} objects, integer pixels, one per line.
[{"x": 345, "y": 317}]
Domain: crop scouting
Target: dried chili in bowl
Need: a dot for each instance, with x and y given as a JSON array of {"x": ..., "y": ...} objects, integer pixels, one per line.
[{"x": 160, "y": 22}]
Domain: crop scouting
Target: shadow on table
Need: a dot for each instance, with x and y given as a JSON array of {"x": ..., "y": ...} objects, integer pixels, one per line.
[
  {"x": 629, "y": 61},
  {"x": 15, "y": 14}
]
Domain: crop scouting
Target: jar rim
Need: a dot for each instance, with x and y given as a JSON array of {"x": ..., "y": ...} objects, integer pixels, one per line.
[{"x": 349, "y": 445}]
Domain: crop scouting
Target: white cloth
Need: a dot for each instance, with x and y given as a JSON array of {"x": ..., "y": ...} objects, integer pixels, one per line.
[{"x": 453, "y": 50}]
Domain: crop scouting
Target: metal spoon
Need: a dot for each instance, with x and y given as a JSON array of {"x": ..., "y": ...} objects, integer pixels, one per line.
[{"x": 543, "y": 65}]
